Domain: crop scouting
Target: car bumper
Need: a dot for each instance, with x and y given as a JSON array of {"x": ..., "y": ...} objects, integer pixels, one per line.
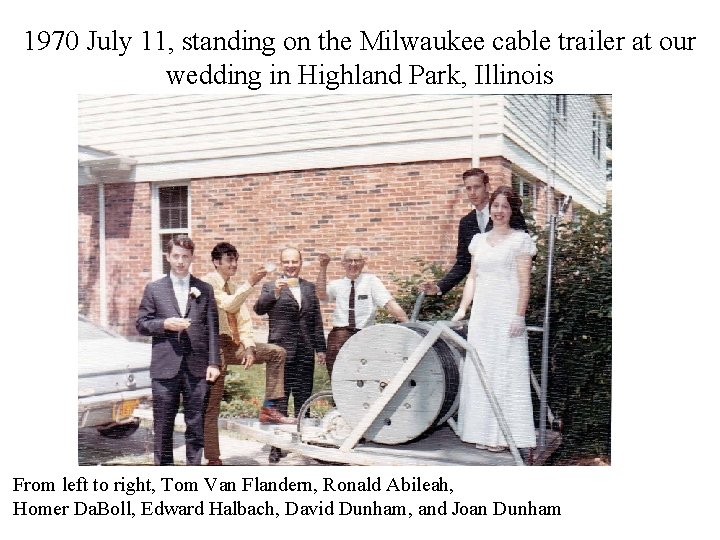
[{"x": 110, "y": 408}]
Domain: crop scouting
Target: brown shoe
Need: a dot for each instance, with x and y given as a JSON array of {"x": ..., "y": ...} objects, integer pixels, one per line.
[
  {"x": 273, "y": 416},
  {"x": 214, "y": 462}
]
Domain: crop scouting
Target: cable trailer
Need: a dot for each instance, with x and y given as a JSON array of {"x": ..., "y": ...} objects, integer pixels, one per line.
[{"x": 393, "y": 401}]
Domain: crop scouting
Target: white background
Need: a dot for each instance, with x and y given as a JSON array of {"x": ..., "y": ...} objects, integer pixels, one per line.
[{"x": 665, "y": 283}]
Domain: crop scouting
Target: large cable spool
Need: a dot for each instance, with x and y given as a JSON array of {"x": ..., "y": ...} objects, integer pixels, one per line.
[{"x": 368, "y": 362}]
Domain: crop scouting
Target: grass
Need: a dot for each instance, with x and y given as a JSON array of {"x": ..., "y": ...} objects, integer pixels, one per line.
[{"x": 245, "y": 390}]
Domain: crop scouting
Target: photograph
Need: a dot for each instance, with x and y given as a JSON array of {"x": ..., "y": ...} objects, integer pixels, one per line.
[{"x": 336, "y": 279}]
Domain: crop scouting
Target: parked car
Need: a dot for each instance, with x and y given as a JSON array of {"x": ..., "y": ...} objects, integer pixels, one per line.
[{"x": 113, "y": 380}]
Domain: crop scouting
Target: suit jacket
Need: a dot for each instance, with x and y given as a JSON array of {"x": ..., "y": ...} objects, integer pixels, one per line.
[
  {"x": 463, "y": 260},
  {"x": 293, "y": 327},
  {"x": 198, "y": 344}
]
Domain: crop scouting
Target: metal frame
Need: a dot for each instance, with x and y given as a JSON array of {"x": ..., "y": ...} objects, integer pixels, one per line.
[{"x": 438, "y": 329}]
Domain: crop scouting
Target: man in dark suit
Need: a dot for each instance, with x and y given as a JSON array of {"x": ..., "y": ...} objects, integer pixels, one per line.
[
  {"x": 180, "y": 314},
  {"x": 477, "y": 186},
  {"x": 295, "y": 324}
]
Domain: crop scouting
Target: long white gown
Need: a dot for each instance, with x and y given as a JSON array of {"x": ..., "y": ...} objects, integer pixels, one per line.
[{"x": 505, "y": 358}]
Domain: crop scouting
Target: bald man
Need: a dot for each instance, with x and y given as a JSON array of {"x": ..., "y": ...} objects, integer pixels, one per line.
[{"x": 292, "y": 306}]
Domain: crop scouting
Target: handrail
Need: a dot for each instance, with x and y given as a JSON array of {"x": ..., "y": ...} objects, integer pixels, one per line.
[
  {"x": 537, "y": 387},
  {"x": 418, "y": 305},
  {"x": 535, "y": 384},
  {"x": 494, "y": 405}
]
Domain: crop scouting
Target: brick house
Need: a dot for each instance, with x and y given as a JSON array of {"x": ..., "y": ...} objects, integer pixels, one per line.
[{"x": 317, "y": 172}]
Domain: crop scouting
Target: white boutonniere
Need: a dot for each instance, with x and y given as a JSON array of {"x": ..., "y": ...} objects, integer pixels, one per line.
[{"x": 195, "y": 292}]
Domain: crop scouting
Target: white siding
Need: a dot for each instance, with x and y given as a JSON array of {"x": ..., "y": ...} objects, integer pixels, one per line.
[
  {"x": 245, "y": 134},
  {"x": 568, "y": 164},
  {"x": 181, "y": 137}
]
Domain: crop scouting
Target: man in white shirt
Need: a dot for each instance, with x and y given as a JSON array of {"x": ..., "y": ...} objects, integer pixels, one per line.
[{"x": 357, "y": 297}]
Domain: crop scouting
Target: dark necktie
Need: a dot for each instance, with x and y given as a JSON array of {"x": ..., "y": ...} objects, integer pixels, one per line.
[
  {"x": 232, "y": 319},
  {"x": 351, "y": 310}
]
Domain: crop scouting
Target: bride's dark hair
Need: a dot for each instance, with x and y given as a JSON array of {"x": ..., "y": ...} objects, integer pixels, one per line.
[{"x": 517, "y": 220}]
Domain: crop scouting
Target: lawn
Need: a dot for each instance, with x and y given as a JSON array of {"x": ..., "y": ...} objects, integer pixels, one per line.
[{"x": 245, "y": 390}]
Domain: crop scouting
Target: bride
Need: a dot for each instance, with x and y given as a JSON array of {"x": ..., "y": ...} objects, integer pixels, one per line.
[{"x": 498, "y": 287}]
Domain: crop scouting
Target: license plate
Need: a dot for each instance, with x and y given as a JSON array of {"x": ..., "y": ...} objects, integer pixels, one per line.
[{"x": 124, "y": 409}]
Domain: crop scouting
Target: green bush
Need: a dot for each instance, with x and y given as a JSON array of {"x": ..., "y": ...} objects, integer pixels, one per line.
[
  {"x": 434, "y": 308},
  {"x": 580, "y": 351}
]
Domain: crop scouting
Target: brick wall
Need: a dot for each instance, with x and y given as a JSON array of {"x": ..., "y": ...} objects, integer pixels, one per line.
[
  {"x": 88, "y": 252},
  {"x": 128, "y": 250},
  {"x": 394, "y": 211}
]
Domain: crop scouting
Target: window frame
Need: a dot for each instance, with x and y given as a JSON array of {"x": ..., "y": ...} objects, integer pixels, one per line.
[
  {"x": 521, "y": 181},
  {"x": 597, "y": 135},
  {"x": 157, "y": 231},
  {"x": 560, "y": 109}
]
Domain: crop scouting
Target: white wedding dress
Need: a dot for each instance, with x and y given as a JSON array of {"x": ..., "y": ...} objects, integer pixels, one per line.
[{"x": 505, "y": 358}]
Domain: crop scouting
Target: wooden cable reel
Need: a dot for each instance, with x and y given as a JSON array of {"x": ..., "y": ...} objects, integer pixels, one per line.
[{"x": 370, "y": 359}]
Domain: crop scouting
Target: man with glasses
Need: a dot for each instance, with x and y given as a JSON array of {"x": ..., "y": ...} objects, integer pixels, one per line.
[
  {"x": 295, "y": 324},
  {"x": 238, "y": 347},
  {"x": 357, "y": 297}
]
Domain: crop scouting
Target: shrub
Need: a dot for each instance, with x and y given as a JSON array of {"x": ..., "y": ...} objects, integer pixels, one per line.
[
  {"x": 580, "y": 352},
  {"x": 434, "y": 308}
]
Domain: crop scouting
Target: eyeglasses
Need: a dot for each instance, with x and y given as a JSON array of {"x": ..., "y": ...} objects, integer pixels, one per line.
[{"x": 354, "y": 261}]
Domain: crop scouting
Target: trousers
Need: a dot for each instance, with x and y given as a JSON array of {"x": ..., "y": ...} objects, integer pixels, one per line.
[
  {"x": 299, "y": 374},
  {"x": 232, "y": 353},
  {"x": 166, "y": 402},
  {"x": 335, "y": 340}
]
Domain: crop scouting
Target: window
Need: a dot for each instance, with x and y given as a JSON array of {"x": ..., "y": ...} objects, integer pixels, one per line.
[
  {"x": 173, "y": 207},
  {"x": 559, "y": 200},
  {"x": 561, "y": 107},
  {"x": 527, "y": 190},
  {"x": 596, "y": 136},
  {"x": 171, "y": 217}
]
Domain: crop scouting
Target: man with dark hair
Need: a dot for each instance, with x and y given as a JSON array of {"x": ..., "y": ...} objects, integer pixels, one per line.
[
  {"x": 237, "y": 345},
  {"x": 295, "y": 324},
  {"x": 180, "y": 314},
  {"x": 477, "y": 185}
]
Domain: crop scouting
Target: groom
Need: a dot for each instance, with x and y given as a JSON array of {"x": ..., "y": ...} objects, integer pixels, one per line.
[
  {"x": 180, "y": 314},
  {"x": 477, "y": 187}
]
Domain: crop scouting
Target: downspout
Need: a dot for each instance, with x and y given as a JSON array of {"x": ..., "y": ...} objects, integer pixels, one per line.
[
  {"x": 552, "y": 220},
  {"x": 102, "y": 280},
  {"x": 475, "y": 143},
  {"x": 103, "y": 257}
]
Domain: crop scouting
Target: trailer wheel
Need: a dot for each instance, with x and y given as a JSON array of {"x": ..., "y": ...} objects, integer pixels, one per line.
[
  {"x": 320, "y": 422},
  {"x": 315, "y": 406}
]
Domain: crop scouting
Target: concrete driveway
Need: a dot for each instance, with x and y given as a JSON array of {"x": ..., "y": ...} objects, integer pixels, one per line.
[{"x": 94, "y": 449}]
